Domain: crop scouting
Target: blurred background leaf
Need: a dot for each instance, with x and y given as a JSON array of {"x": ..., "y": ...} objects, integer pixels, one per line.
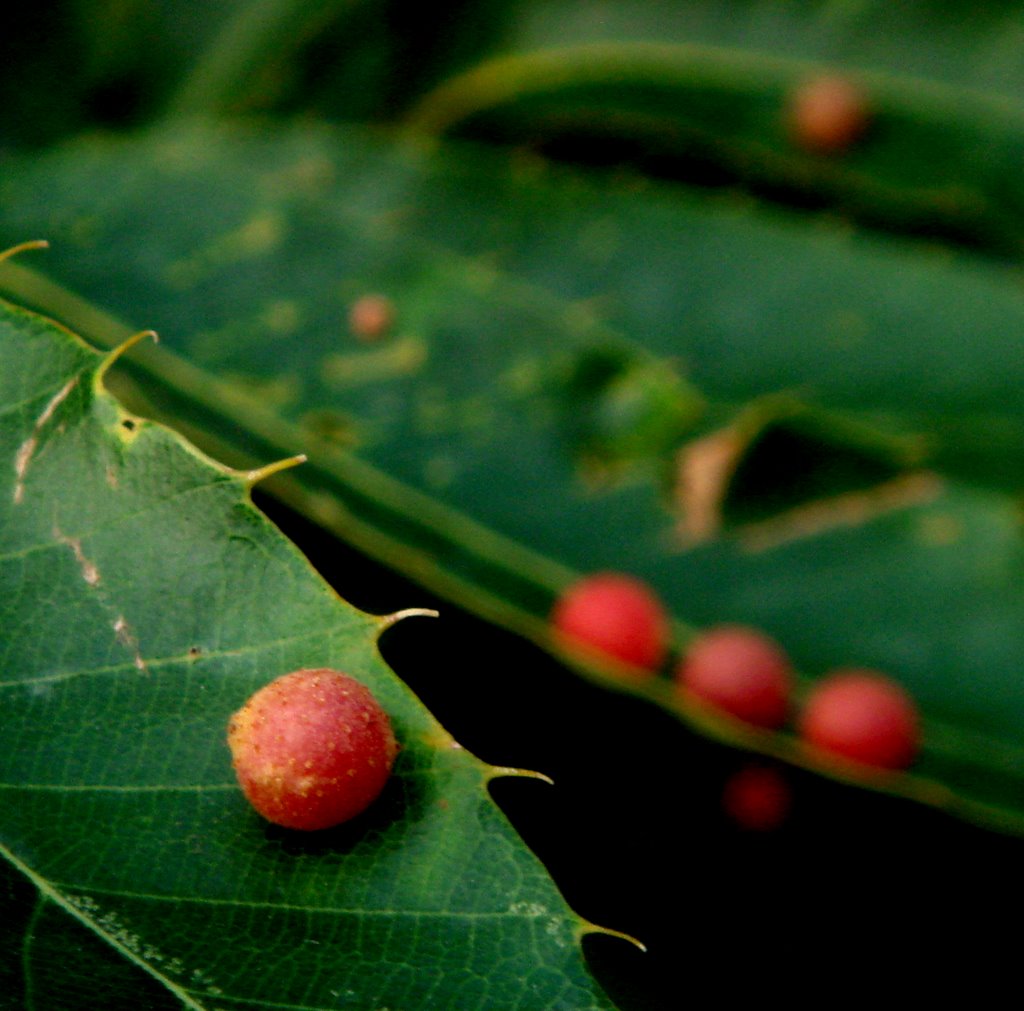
[{"x": 570, "y": 347}]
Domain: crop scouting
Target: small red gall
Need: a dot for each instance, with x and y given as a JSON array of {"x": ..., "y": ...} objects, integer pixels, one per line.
[
  {"x": 862, "y": 716},
  {"x": 371, "y": 317},
  {"x": 312, "y": 749},
  {"x": 757, "y": 798},
  {"x": 617, "y": 616},
  {"x": 740, "y": 671},
  {"x": 828, "y": 114}
]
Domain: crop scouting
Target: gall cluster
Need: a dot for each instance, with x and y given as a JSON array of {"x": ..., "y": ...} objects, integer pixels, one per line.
[{"x": 858, "y": 715}]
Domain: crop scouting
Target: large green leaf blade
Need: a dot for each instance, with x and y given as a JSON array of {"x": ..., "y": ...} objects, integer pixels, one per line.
[
  {"x": 144, "y": 600},
  {"x": 451, "y": 448}
]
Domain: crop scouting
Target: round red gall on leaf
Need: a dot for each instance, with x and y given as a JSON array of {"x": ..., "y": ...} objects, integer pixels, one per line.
[
  {"x": 371, "y": 317},
  {"x": 828, "y": 114},
  {"x": 863, "y": 716},
  {"x": 312, "y": 749},
  {"x": 740, "y": 671},
  {"x": 757, "y": 798},
  {"x": 616, "y": 615}
]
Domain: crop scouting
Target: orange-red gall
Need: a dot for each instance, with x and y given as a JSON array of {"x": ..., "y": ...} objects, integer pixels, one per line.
[
  {"x": 757, "y": 798},
  {"x": 312, "y": 749},
  {"x": 739, "y": 671},
  {"x": 828, "y": 115},
  {"x": 863, "y": 716},
  {"x": 371, "y": 317},
  {"x": 613, "y": 615}
]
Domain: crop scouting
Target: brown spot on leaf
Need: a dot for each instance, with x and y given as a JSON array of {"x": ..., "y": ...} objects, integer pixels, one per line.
[
  {"x": 27, "y": 449},
  {"x": 828, "y": 114},
  {"x": 704, "y": 468},
  {"x": 371, "y": 317},
  {"x": 782, "y": 464},
  {"x": 847, "y": 510}
]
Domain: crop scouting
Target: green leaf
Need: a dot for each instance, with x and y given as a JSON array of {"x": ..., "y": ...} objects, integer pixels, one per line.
[
  {"x": 704, "y": 91},
  {"x": 849, "y": 405},
  {"x": 144, "y": 599}
]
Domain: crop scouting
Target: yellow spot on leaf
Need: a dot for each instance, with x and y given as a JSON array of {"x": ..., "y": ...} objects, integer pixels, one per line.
[
  {"x": 274, "y": 391},
  {"x": 282, "y": 316},
  {"x": 940, "y": 529},
  {"x": 399, "y": 358},
  {"x": 260, "y": 235}
]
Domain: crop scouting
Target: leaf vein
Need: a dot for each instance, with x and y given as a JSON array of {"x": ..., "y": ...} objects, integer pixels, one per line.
[
  {"x": 523, "y": 911},
  {"x": 121, "y": 787},
  {"x": 129, "y": 666},
  {"x": 53, "y": 892}
]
